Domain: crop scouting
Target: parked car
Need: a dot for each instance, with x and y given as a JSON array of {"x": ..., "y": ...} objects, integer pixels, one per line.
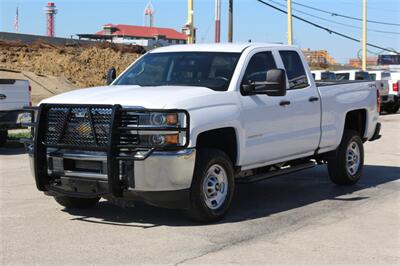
[
  {"x": 391, "y": 101},
  {"x": 352, "y": 74},
  {"x": 184, "y": 123},
  {"x": 323, "y": 75},
  {"x": 14, "y": 95}
]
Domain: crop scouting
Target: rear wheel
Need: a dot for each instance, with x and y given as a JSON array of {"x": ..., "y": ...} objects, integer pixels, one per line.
[
  {"x": 76, "y": 203},
  {"x": 346, "y": 168},
  {"x": 212, "y": 186},
  {"x": 3, "y": 137}
]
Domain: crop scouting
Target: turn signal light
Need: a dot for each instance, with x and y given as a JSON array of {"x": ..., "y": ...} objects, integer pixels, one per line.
[
  {"x": 172, "y": 119},
  {"x": 172, "y": 139}
]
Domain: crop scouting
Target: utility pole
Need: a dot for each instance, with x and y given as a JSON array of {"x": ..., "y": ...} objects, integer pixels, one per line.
[
  {"x": 364, "y": 37},
  {"x": 190, "y": 24},
  {"x": 230, "y": 25},
  {"x": 217, "y": 21},
  {"x": 289, "y": 19}
]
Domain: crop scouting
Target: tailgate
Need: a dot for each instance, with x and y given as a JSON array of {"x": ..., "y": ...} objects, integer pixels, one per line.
[{"x": 14, "y": 94}]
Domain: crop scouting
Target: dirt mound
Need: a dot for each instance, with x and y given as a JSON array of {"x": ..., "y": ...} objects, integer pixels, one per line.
[{"x": 84, "y": 66}]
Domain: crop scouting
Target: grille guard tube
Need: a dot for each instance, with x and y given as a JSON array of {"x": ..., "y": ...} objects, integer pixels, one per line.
[{"x": 115, "y": 185}]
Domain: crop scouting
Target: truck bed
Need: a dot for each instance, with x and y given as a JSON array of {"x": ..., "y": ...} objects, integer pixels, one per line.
[{"x": 14, "y": 94}]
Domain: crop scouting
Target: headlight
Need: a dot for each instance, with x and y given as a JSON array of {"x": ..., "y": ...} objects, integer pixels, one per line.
[
  {"x": 156, "y": 129},
  {"x": 177, "y": 139},
  {"x": 159, "y": 119}
]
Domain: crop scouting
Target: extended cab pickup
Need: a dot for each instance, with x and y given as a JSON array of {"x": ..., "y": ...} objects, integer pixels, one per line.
[
  {"x": 184, "y": 123},
  {"x": 14, "y": 95}
]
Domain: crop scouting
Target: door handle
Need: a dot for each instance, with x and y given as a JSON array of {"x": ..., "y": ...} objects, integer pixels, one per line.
[
  {"x": 284, "y": 103},
  {"x": 313, "y": 99}
]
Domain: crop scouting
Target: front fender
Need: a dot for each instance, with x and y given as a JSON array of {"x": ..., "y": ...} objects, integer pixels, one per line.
[{"x": 216, "y": 117}]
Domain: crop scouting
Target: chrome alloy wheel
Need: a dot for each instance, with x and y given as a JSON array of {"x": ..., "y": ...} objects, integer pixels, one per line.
[
  {"x": 215, "y": 186},
  {"x": 353, "y": 158}
]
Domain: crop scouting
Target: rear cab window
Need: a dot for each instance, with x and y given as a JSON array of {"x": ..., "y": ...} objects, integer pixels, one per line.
[
  {"x": 295, "y": 71},
  {"x": 343, "y": 76},
  {"x": 372, "y": 76},
  {"x": 385, "y": 75},
  {"x": 361, "y": 75},
  {"x": 328, "y": 76}
]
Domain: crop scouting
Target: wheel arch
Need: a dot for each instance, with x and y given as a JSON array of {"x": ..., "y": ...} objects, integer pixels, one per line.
[
  {"x": 356, "y": 120},
  {"x": 224, "y": 138}
]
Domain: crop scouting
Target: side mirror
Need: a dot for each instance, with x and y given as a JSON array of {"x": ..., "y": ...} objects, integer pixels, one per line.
[
  {"x": 111, "y": 75},
  {"x": 275, "y": 84}
]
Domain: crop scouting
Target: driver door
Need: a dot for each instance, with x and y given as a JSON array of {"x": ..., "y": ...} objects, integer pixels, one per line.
[{"x": 276, "y": 131}]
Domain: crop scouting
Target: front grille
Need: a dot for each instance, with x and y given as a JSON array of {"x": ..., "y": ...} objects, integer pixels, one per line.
[
  {"x": 78, "y": 126},
  {"x": 128, "y": 138}
]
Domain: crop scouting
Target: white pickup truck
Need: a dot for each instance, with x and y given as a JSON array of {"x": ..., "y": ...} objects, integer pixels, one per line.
[
  {"x": 390, "y": 99},
  {"x": 184, "y": 123},
  {"x": 14, "y": 95}
]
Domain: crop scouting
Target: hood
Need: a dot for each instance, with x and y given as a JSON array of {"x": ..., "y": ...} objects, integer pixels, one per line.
[{"x": 127, "y": 95}]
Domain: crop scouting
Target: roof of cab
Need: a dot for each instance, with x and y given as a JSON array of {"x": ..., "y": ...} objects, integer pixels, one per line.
[{"x": 216, "y": 47}]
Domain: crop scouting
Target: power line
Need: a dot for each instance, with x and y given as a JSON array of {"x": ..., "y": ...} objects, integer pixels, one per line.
[
  {"x": 335, "y": 22},
  {"x": 343, "y": 16},
  {"x": 326, "y": 29}
]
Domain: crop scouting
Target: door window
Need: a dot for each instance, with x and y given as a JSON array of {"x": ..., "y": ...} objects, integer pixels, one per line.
[
  {"x": 295, "y": 71},
  {"x": 258, "y": 66}
]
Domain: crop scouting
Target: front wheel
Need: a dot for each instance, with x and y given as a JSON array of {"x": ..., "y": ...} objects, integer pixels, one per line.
[
  {"x": 212, "y": 186},
  {"x": 76, "y": 203},
  {"x": 346, "y": 168}
]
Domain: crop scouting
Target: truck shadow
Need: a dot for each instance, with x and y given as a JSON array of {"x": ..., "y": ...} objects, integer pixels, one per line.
[
  {"x": 251, "y": 201},
  {"x": 12, "y": 150}
]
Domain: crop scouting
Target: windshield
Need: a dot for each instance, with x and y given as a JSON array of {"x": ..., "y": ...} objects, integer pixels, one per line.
[{"x": 204, "y": 69}]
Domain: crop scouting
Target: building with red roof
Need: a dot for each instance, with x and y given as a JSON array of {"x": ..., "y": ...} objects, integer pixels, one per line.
[{"x": 140, "y": 35}]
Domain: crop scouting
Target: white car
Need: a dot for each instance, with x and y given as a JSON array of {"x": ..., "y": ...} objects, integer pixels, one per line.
[
  {"x": 184, "y": 123},
  {"x": 323, "y": 75},
  {"x": 391, "y": 80},
  {"x": 14, "y": 95}
]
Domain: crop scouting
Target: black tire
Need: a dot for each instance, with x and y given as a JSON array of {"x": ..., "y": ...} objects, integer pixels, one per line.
[
  {"x": 76, "y": 203},
  {"x": 206, "y": 160},
  {"x": 3, "y": 137},
  {"x": 338, "y": 166},
  {"x": 393, "y": 108}
]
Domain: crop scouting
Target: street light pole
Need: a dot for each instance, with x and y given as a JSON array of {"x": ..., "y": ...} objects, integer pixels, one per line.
[
  {"x": 230, "y": 26},
  {"x": 364, "y": 37},
  {"x": 290, "y": 30},
  {"x": 190, "y": 23},
  {"x": 217, "y": 21}
]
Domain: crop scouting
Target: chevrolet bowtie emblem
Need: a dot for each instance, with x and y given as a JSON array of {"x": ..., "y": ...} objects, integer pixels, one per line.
[{"x": 81, "y": 114}]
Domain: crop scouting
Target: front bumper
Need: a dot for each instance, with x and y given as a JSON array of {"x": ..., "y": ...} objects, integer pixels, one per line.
[
  {"x": 93, "y": 151},
  {"x": 163, "y": 179}
]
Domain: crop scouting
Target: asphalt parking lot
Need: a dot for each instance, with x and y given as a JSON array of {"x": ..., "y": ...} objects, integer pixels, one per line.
[{"x": 297, "y": 219}]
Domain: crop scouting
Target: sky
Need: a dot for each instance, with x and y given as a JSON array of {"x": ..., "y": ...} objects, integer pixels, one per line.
[{"x": 252, "y": 20}]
